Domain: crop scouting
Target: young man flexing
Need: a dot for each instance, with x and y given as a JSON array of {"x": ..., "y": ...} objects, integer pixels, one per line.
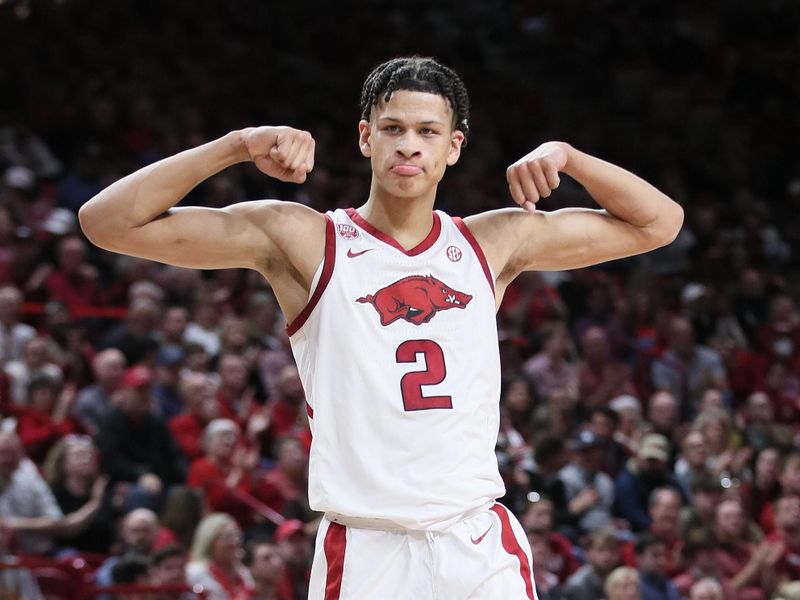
[{"x": 391, "y": 310}]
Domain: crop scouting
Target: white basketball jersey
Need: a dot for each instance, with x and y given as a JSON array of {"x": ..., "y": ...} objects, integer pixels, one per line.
[{"x": 399, "y": 358}]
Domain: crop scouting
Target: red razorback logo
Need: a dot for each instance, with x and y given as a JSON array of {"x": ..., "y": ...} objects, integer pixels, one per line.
[{"x": 416, "y": 299}]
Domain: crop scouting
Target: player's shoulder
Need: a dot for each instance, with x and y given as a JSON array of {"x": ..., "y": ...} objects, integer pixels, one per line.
[{"x": 502, "y": 224}]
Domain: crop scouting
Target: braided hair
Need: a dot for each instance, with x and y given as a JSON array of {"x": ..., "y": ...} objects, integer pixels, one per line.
[{"x": 417, "y": 74}]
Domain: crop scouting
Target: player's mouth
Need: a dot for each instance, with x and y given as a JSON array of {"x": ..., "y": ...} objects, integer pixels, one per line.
[{"x": 406, "y": 170}]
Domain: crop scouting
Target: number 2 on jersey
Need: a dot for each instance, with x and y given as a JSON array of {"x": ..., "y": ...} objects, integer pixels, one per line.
[{"x": 435, "y": 372}]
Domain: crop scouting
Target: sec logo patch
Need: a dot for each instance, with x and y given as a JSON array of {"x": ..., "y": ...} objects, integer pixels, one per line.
[{"x": 454, "y": 253}]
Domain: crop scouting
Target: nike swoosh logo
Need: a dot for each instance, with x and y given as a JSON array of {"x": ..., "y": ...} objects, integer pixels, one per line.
[
  {"x": 480, "y": 539},
  {"x": 351, "y": 254}
]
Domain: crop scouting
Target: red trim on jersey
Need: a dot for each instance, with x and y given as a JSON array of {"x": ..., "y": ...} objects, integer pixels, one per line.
[
  {"x": 309, "y": 411},
  {"x": 511, "y": 545},
  {"x": 462, "y": 227},
  {"x": 327, "y": 270},
  {"x": 334, "y": 546},
  {"x": 387, "y": 239}
]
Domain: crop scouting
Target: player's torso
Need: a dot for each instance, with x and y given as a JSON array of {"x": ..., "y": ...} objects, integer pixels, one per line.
[{"x": 399, "y": 360}]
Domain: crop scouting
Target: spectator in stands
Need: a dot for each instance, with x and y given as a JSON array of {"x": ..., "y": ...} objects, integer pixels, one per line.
[
  {"x": 686, "y": 369},
  {"x": 600, "y": 377},
  {"x": 787, "y": 536},
  {"x": 546, "y": 582},
  {"x": 168, "y": 567},
  {"x": 203, "y": 329},
  {"x": 35, "y": 360},
  {"x": 706, "y": 494},
  {"x": 166, "y": 386},
  {"x": 665, "y": 509},
  {"x": 94, "y": 402},
  {"x": 131, "y": 569},
  {"x": 761, "y": 430},
  {"x": 692, "y": 463},
  {"x": 289, "y": 401},
  {"x": 603, "y": 555},
  {"x": 138, "y": 535},
  {"x": 73, "y": 281},
  {"x": 24, "y": 494},
  {"x": 551, "y": 368},
  {"x": 173, "y": 326},
  {"x": 707, "y": 589},
  {"x": 72, "y": 471},
  {"x": 538, "y": 523},
  {"x": 28, "y": 506},
  {"x": 235, "y": 400},
  {"x": 295, "y": 546},
  {"x": 603, "y": 422},
  {"x": 216, "y": 559},
  {"x": 45, "y": 418},
  {"x": 622, "y": 584},
  {"x": 663, "y": 415},
  {"x": 629, "y": 428},
  {"x": 640, "y": 477},
  {"x": 200, "y": 408},
  {"x": 549, "y": 457},
  {"x": 285, "y": 487},
  {"x": 750, "y": 568},
  {"x": 13, "y": 334},
  {"x": 136, "y": 446},
  {"x": 651, "y": 558},
  {"x": 779, "y": 337},
  {"x": 266, "y": 568},
  {"x": 225, "y": 472},
  {"x": 15, "y": 583},
  {"x": 725, "y": 457},
  {"x": 699, "y": 560},
  {"x": 763, "y": 487},
  {"x": 135, "y": 337},
  {"x": 589, "y": 491}
]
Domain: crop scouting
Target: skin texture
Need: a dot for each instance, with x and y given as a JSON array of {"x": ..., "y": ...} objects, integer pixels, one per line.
[{"x": 410, "y": 142}]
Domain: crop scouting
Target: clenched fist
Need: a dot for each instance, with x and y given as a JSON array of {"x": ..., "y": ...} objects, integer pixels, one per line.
[
  {"x": 535, "y": 175},
  {"x": 281, "y": 152}
]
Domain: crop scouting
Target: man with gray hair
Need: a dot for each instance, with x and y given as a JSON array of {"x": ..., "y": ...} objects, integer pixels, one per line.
[
  {"x": 13, "y": 334},
  {"x": 706, "y": 589},
  {"x": 94, "y": 401}
]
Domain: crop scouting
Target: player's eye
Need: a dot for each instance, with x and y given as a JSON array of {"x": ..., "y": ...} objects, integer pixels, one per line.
[
  {"x": 428, "y": 131},
  {"x": 392, "y": 128}
]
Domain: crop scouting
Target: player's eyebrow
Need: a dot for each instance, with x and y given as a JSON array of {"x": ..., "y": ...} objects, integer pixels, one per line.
[{"x": 396, "y": 120}]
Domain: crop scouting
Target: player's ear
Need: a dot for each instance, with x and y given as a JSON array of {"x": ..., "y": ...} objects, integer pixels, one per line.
[
  {"x": 364, "y": 133},
  {"x": 456, "y": 140}
]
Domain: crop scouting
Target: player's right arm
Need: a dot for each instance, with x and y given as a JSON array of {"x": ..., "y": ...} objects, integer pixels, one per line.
[{"x": 137, "y": 216}]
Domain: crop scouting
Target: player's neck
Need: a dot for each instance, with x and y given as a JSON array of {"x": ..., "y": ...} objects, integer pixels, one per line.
[{"x": 407, "y": 220}]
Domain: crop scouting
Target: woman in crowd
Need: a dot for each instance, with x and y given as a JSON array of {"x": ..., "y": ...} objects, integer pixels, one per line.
[{"x": 216, "y": 559}]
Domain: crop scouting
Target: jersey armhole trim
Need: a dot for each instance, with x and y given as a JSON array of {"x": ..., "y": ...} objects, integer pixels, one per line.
[
  {"x": 327, "y": 271},
  {"x": 462, "y": 227}
]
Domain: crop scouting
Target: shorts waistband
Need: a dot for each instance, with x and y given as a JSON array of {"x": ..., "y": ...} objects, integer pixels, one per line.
[{"x": 389, "y": 525}]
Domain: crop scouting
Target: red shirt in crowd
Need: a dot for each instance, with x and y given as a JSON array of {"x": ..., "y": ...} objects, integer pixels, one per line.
[
  {"x": 210, "y": 477},
  {"x": 187, "y": 429}
]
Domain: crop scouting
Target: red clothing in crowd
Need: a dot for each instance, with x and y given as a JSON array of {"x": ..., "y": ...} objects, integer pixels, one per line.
[
  {"x": 187, "y": 429},
  {"x": 788, "y": 566},
  {"x": 283, "y": 417},
  {"x": 674, "y": 546},
  {"x": 38, "y": 431},
  {"x": 276, "y": 489},
  {"x": 563, "y": 562},
  {"x": 238, "y": 410},
  {"x": 74, "y": 291},
  {"x": 210, "y": 477}
]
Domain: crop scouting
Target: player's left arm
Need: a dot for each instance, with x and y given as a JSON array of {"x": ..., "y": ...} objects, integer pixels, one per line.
[{"x": 635, "y": 217}]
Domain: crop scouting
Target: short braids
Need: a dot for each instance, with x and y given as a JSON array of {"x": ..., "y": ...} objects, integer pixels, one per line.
[{"x": 417, "y": 74}]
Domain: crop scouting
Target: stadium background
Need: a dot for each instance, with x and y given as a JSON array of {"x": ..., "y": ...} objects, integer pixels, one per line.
[{"x": 700, "y": 99}]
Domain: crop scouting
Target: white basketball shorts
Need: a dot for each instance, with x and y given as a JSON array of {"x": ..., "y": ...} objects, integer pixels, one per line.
[{"x": 485, "y": 556}]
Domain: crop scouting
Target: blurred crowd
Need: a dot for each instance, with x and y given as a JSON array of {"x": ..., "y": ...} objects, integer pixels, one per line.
[{"x": 153, "y": 420}]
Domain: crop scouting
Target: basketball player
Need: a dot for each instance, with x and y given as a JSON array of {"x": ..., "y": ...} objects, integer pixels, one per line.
[{"x": 391, "y": 311}]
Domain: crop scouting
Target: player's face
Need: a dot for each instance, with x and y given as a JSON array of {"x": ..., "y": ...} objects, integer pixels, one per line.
[{"x": 410, "y": 141}]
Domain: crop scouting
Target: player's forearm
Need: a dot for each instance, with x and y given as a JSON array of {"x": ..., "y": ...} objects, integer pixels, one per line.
[
  {"x": 624, "y": 195},
  {"x": 147, "y": 193}
]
